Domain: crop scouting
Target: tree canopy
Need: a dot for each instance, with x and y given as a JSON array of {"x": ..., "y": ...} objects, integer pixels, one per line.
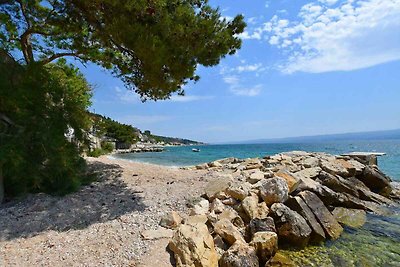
[{"x": 154, "y": 46}]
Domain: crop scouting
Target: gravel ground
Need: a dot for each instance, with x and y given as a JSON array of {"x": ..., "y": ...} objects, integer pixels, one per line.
[{"x": 99, "y": 225}]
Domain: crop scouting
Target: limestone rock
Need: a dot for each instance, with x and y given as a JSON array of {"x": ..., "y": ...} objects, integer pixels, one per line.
[
  {"x": 309, "y": 173},
  {"x": 239, "y": 255},
  {"x": 233, "y": 216},
  {"x": 194, "y": 219},
  {"x": 255, "y": 176},
  {"x": 230, "y": 201},
  {"x": 291, "y": 179},
  {"x": 328, "y": 222},
  {"x": 266, "y": 245},
  {"x": 350, "y": 217},
  {"x": 201, "y": 208},
  {"x": 251, "y": 164},
  {"x": 292, "y": 228},
  {"x": 220, "y": 246},
  {"x": 260, "y": 225},
  {"x": 359, "y": 167},
  {"x": 337, "y": 183},
  {"x": 157, "y": 234},
  {"x": 298, "y": 205},
  {"x": 229, "y": 233},
  {"x": 395, "y": 190},
  {"x": 335, "y": 167},
  {"x": 215, "y": 164},
  {"x": 216, "y": 186},
  {"x": 274, "y": 190},
  {"x": 238, "y": 190},
  {"x": 193, "y": 246},
  {"x": 374, "y": 179},
  {"x": 217, "y": 206},
  {"x": 171, "y": 220},
  {"x": 254, "y": 209},
  {"x": 310, "y": 162}
]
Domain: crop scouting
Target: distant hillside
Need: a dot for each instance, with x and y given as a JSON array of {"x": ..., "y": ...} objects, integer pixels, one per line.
[{"x": 375, "y": 135}]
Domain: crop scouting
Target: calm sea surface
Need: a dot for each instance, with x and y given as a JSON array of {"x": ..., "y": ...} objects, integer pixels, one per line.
[
  {"x": 377, "y": 243},
  {"x": 183, "y": 156}
]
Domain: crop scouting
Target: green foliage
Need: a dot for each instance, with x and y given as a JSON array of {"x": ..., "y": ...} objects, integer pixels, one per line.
[
  {"x": 107, "y": 147},
  {"x": 96, "y": 153},
  {"x": 104, "y": 126},
  {"x": 154, "y": 46},
  {"x": 43, "y": 104}
]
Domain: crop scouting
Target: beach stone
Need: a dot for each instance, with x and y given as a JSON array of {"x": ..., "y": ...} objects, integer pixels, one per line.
[
  {"x": 220, "y": 246},
  {"x": 217, "y": 206},
  {"x": 337, "y": 183},
  {"x": 309, "y": 173},
  {"x": 350, "y": 217},
  {"x": 335, "y": 167},
  {"x": 325, "y": 218},
  {"x": 250, "y": 164},
  {"x": 298, "y": 205},
  {"x": 203, "y": 166},
  {"x": 229, "y": 233},
  {"x": 260, "y": 225},
  {"x": 230, "y": 201},
  {"x": 255, "y": 176},
  {"x": 238, "y": 190},
  {"x": 157, "y": 234},
  {"x": 291, "y": 179},
  {"x": 201, "y": 208},
  {"x": 395, "y": 190},
  {"x": 193, "y": 246},
  {"x": 374, "y": 179},
  {"x": 310, "y": 162},
  {"x": 274, "y": 190},
  {"x": 230, "y": 160},
  {"x": 239, "y": 255},
  {"x": 215, "y": 164},
  {"x": 194, "y": 219},
  {"x": 359, "y": 167},
  {"x": 254, "y": 209},
  {"x": 217, "y": 186},
  {"x": 280, "y": 260},
  {"x": 291, "y": 227},
  {"x": 171, "y": 220},
  {"x": 265, "y": 244},
  {"x": 233, "y": 216}
]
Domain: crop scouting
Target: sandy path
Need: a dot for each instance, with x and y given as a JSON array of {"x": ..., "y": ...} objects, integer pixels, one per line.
[{"x": 99, "y": 225}]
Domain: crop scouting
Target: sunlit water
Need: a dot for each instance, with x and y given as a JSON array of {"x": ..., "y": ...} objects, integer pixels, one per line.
[{"x": 377, "y": 243}]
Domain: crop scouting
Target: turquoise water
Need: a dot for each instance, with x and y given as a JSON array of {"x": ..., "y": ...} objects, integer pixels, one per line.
[{"x": 183, "y": 156}]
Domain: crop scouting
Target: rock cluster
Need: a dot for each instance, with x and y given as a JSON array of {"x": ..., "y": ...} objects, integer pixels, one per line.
[{"x": 290, "y": 199}]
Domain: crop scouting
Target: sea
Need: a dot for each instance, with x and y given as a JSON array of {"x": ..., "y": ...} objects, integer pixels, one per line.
[{"x": 377, "y": 243}]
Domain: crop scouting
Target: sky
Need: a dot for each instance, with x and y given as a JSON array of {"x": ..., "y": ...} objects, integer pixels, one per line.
[{"x": 305, "y": 68}]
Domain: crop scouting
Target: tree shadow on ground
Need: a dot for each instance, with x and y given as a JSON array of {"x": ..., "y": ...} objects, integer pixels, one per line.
[{"x": 106, "y": 199}]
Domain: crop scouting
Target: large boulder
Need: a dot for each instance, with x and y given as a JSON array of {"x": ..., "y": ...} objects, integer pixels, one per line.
[
  {"x": 239, "y": 255},
  {"x": 201, "y": 208},
  {"x": 292, "y": 228},
  {"x": 233, "y": 216},
  {"x": 254, "y": 209},
  {"x": 310, "y": 162},
  {"x": 375, "y": 180},
  {"x": 338, "y": 167},
  {"x": 291, "y": 179},
  {"x": 328, "y": 222},
  {"x": 298, "y": 205},
  {"x": 337, "y": 183},
  {"x": 266, "y": 245},
  {"x": 229, "y": 233},
  {"x": 216, "y": 186},
  {"x": 260, "y": 225},
  {"x": 310, "y": 173},
  {"x": 193, "y": 246},
  {"x": 238, "y": 190},
  {"x": 255, "y": 176},
  {"x": 350, "y": 217},
  {"x": 274, "y": 190}
]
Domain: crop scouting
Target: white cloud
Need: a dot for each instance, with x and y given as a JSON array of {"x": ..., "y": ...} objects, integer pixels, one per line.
[
  {"x": 126, "y": 96},
  {"x": 249, "y": 68},
  {"x": 250, "y": 91},
  {"x": 336, "y": 35},
  {"x": 189, "y": 98},
  {"x": 232, "y": 80}
]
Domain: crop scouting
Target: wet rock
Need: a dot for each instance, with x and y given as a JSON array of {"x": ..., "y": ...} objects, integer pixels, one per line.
[
  {"x": 229, "y": 233},
  {"x": 216, "y": 186},
  {"x": 298, "y": 205},
  {"x": 350, "y": 217},
  {"x": 292, "y": 228},
  {"x": 238, "y": 190},
  {"x": 193, "y": 245},
  {"x": 274, "y": 190},
  {"x": 171, "y": 220},
  {"x": 239, "y": 255},
  {"x": 201, "y": 208},
  {"x": 280, "y": 260},
  {"x": 260, "y": 225},
  {"x": 265, "y": 244},
  {"x": 254, "y": 209},
  {"x": 374, "y": 179},
  {"x": 328, "y": 222},
  {"x": 291, "y": 179}
]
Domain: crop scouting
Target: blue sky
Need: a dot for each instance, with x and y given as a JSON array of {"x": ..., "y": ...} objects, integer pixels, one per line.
[{"x": 305, "y": 68}]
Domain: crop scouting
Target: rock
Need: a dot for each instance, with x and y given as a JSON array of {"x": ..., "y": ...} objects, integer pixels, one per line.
[
  {"x": 239, "y": 255},
  {"x": 227, "y": 160},
  {"x": 157, "y": 234},
  {"x": 255, "y": 176},
  {"x": 233, "y": 216},
  {"x": 216, "y": 186},
  {"x": 309, "y": 173},
  {"x": 298, "y": 205},
  {"x": 335, "y": 167},
  {"x": 171, "y": 220},
  {"x": 359, "y": 167},
  {"x": 374, "y": 179},
  {"x": 230, "y": 201},
  {"x": 260, "y": 225},
  {"x": 337, "y": 183},
  {"x": 395, "y": 190},
  {"x": 251, "y": 164},
  {"x": 238, "y": 190},
  {"x": 274, "y": 190},
  {"x": 217, "y": 206},
  {"x": 229, "y": 233},
  {"x": 328, "y": 222},
  {"x": 193, "y": 246},
  {"x": 215, "y": 164},
  {"x": 201, "y": 208},
  {"x": 350, "y": 217},
  {"x": 194, "y": 219},
  {"x": 310, "y": 162},
  {"x": 220, "y": 246},
  {"x": 203, "y": 166},
  {"x": 254, "y": 209},
  {"x": 280, "y": 260},
  {"x": 291, "y": 227},
  {"x": 291, "y": 180},
  {"x": 265, "y": 244}
]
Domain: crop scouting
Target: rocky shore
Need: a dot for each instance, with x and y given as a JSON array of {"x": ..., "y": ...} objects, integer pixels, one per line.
[{"x": 288, "y": 200}]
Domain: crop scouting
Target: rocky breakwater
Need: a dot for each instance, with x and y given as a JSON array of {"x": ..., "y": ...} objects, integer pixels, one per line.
[{"x": 288, "y": 200}]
